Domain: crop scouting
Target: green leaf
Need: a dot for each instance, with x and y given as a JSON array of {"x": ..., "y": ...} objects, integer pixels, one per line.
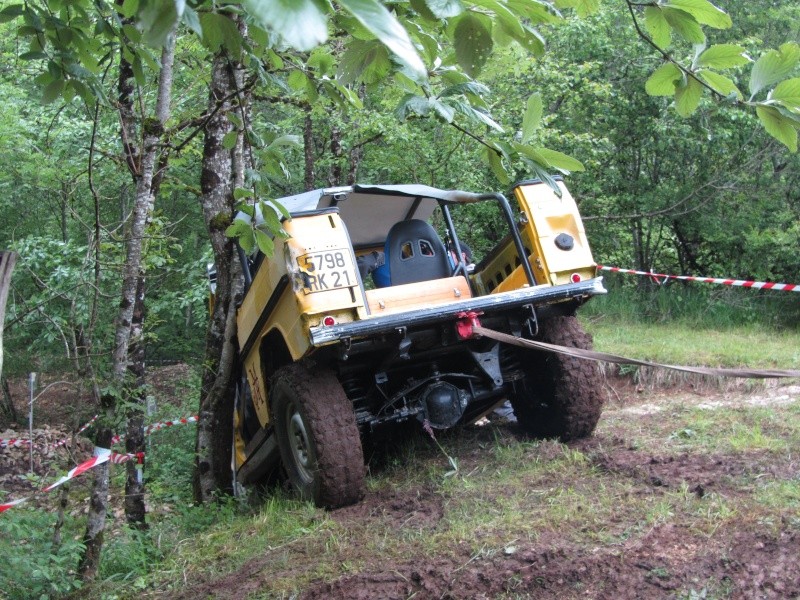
[
  {"x": 657, "y": 26},
  {"x": 496, "y": 165},
  {"x": 283, "y": 210},
  {"x": 219, "y": 31},
  {"x": 297, "y": 80},
  {"x": 341, "y": 95},
  {"x": 685, "y": 25},
  {"x": 723, "y": 56},
  {"x": 533, "y": 116},
  {"x": 687, "y": 97},
  {"x": 778, "y": 126},
  {"x": 533, "y": 41},
  {"x": 132, "y": 34},
  {"x": 412, "y": 105},
  {"x": 52, "y": 91},
  {"x": 229, "y": 140},
  {"x": 242, "y": 231},
  {"x": 367, "y": 62},
  {"x": 138, "y": 70},
  {"x": 321, "y": 60},
  {"x": 246, "y": 208},
  {"x": 156, "y": 20},
  {"x": 235, "y": 119},
  {"x": 560, "y": 161},
  {"x": 442, "y": 111},
  {"x": 430, "y": 45},
  {"x": 721, "y": 84},
  {"x": 129, "y": 8},
  {"x": 444, "y": 9},
  {"x": 774, "y": 66},
  {"x": 473, "y": 42},
  {"x": 302, "y": 24},
  {"x": 32, "y": 56},
  {"x": 704, "y": 12},
  {"x": 192, "y": 20},
  {"x": 537, "y": 11},
  {"x": 584, "y": 8},
  {"x": 663, "y": 80},
  {"x": 11, "y": 12},
  {"x": 265, "y": 243},
  {"x": 468, "y": 87},
  {"x": 787, "y": 93},
  {"x": 541, "y": 173},
  {"x": 422, "y": 8},
  {"x": 549, "y": 158},
  {"x": 483, "y": 117},
  {"x": 241, "y": 193},
  {"x": 381, "y": 23},
  {"x": 272, "y": 223}
]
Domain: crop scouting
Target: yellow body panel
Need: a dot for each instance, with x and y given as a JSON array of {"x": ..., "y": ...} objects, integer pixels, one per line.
[
  {"x": 322, "y": 280},
  {"x": 548, "y": 216},
  {"x": 398, "y": 298}
]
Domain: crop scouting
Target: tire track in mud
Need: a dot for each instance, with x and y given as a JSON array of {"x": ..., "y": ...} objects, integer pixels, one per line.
[{"x": 743, "y": 559}]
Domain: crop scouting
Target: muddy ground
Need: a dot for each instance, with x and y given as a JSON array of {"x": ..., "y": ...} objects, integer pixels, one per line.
[{"x": 739, "y": 551}]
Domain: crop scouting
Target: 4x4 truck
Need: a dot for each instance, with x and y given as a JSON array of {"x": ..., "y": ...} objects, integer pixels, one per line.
[{"x": 331, "y": 360}]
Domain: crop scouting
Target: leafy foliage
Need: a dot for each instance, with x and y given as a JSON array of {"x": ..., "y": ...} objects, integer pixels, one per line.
[{"x": 42, "y": 570}]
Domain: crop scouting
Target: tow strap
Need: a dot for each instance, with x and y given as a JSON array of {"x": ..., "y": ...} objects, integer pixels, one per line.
[{"x": 621, "y": 360}]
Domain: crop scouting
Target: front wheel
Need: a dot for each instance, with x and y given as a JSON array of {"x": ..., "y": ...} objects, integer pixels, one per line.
[
  {"x": 560, "y": 396},
  {"x": 317, "y": 436}
]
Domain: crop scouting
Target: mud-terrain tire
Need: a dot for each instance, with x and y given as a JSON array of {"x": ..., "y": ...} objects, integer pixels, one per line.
[
  {"x": 317, "y": 436},
  {"x": 560, "y": 396}
]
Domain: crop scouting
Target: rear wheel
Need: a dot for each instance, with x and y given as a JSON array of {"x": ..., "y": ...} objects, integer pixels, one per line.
[
  {"x": 317, "y": 436},
  {"x": 560, "y": 396}
]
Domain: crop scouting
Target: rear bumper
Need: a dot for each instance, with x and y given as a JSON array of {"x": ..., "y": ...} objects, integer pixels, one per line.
[{"x": 494, "y": 303}]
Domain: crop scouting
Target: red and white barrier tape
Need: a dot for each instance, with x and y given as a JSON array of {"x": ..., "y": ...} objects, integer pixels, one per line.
[
  {"x": 158, "y": 426},
  {"x": 101, "y": 456},
  {"x": 758, "y": 285}
]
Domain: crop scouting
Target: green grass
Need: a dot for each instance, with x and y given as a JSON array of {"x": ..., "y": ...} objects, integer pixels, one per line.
[{"x": 679, "y": 344}]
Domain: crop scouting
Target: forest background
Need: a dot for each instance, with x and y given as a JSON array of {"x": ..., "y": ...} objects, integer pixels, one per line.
[{"x": 683, "y": 179}]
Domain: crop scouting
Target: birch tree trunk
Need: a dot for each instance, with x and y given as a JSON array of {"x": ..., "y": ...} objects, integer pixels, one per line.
[
  {"x": 146, "y": 189},
  {"x": 128, "y": 366},
  {"x": 7, "y": 262}
]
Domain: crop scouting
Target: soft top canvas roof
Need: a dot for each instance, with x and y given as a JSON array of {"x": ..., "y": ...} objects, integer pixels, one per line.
[{"x": 369, "y": 211}]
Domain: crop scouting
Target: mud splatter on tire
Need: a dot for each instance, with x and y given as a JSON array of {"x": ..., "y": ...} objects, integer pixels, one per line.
[{"x": 560, "y": 396}]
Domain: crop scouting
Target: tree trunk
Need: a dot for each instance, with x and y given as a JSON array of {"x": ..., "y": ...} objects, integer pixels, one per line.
[
  {"x": 128, "y": 328},
  {"x": 214, "y": 434},
  {"x": 308, "y": 150},
  {"x": 335, "y": 173},
  {"x": 7, "y": 262},
  {"x": 153, "y": 167},
  {"x": 8, "y": 402}
]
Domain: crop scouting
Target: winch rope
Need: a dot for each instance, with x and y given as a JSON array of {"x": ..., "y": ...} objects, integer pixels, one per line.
[{"x": 621, "y": 360}]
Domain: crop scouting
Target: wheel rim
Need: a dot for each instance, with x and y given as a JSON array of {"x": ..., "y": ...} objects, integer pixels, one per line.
[{"x": 299, "y": 444}]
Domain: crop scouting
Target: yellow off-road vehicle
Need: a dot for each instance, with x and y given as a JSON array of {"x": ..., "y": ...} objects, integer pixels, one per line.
[{"x": 333, "y": 356}]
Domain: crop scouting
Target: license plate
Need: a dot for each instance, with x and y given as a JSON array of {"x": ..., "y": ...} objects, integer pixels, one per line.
[{"x": 329, "y": 270}]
